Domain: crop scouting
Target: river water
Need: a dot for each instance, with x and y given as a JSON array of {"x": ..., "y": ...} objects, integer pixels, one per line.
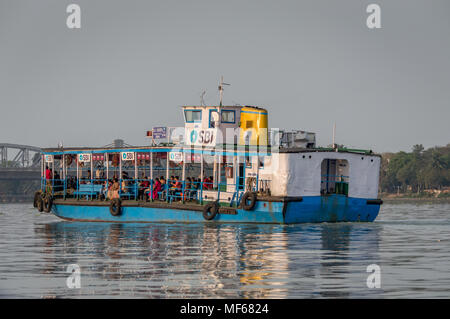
[{"x": 409, "y": 242}]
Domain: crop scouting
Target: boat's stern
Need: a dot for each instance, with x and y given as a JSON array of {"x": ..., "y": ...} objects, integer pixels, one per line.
[{"x": 332, "y": 208}]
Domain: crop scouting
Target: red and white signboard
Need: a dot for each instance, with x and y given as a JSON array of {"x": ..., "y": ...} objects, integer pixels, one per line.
[
  {"x": 143, "y": 156},
  {"x": 97, "y": 157}
]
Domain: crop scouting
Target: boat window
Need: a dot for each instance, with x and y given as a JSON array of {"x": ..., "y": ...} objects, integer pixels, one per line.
[
  {"x": 228, "y": 116},
  {"x": 249, "y": 124},
  {"x": 213, "y": 118},
  {"x": 193, "y": 116}
]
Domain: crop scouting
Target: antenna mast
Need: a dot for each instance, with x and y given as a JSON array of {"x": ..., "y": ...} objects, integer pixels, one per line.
[
  {"x": 221, "y": 84},
  {"x": 202, "y": 100},
  {"x": 334, "y": 134}
]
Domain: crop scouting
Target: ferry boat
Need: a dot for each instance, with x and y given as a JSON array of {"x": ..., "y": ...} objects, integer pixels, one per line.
[{"x": 223, "y": 165}]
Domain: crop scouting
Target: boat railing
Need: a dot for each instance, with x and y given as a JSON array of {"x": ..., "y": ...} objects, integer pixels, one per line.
[
  {"x": 147, "y": 189},
  {"x": 139, "y": 189}
]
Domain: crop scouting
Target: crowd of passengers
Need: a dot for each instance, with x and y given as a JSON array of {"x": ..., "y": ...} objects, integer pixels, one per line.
[{"x": 158, "y": 188}]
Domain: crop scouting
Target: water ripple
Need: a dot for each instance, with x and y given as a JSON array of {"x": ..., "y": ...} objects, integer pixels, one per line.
[{"x": 409, "y": 242}]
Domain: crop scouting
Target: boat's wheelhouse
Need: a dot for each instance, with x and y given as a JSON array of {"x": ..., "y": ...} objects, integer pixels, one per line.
[{"x": 213, "y": 126}]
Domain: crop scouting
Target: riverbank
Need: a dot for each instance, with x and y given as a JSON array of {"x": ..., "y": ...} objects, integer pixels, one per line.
[{"x": 386, "y": 197}]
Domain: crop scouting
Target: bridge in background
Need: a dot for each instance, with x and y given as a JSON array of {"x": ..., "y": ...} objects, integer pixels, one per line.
[
  {"x": 22, "y": 156},
  {"x": 19, "y": 171}
]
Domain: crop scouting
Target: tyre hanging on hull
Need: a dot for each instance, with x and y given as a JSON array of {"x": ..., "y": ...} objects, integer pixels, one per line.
[
  {"x": 115, "y": 208},
  {"x": 248, "y": 201},
  {"x": 47, "y": 203},
  {"x": 37, "y": 196},
  {"x": 40, "y": 204},
  {"x": 210, "y": 210}
]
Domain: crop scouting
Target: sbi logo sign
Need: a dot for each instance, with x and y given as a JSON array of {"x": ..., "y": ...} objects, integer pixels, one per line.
[
  {"x": 202, "y": 137},
  {"x": 194, "y": 136}
]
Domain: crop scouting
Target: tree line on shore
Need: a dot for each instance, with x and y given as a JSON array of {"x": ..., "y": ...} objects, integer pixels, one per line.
[{"x": 416, "y": 171}]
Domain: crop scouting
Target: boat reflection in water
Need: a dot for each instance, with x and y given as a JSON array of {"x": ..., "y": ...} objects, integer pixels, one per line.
[{"x": 211, "y": 260}]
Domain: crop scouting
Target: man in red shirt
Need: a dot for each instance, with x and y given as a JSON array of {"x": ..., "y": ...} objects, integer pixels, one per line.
[
  {"x": 48, "y": 178},
  {"x": 48, "y": 173}
]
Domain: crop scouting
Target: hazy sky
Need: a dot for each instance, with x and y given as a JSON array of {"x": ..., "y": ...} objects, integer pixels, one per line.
[{"x": 133, "y": 63}]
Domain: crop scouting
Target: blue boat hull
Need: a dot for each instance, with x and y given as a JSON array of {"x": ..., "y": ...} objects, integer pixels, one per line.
[
  {"x": 314, "y": 209},
  {"x": 334, "y": 208}
]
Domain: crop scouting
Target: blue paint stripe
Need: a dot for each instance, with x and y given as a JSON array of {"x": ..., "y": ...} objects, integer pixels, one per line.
[
  {"x": 165, "y": 150},
  {"x": 262, "y": 113}
]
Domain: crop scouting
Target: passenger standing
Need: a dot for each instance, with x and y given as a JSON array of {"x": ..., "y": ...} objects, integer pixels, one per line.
[
  {"x": 48, "y": 173},
  {"x": 48, "y": 178}
]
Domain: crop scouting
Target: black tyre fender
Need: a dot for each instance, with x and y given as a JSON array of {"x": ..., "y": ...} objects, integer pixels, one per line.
[
  {"x": 115, "y": 207},
  {"x": 37, "y": 196},
  {"x": 47, "y": 203},
  {"x": 40, "y": 204},
  {"x": 210, "y": 210},
  {"x": 248, "y": 196}
]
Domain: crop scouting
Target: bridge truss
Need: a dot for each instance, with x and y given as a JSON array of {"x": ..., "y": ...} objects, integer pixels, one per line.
[{"x": 23, "y": 156}]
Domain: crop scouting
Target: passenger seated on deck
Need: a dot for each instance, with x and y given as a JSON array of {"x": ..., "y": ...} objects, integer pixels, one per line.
[
  {"x": 176, "y": 188},
  {"x": 171, "y": 181},
  {"x": 187, "y": 189},
  {"x": 113, "y": 192},
  {"x": 71, "y": 183},
  {"x": 143, "y": 187},
  {"x": 207, "y": 183},
  {"x": 171, "y": 185},
  {"x": 88, "y": 177},
  {"x": 193, "y": 188},
  {"x": 104, "y": 191},
  {"x": 163, "y": 188},
  {"x": 124, "y": 181},
  {"x": 156, "y": 188}
]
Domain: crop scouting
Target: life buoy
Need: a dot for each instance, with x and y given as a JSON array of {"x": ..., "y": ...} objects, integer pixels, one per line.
[
  {"x": 68, "y": 159},
  {"x": 115, "y": 207},
  {"x": 40, "y": 204},
  {"x": 47, "y": 203},
  {"x": 210, "y": 210},
  {"x": 115, "y": 160},
  {"x": 248, "y": 196}
]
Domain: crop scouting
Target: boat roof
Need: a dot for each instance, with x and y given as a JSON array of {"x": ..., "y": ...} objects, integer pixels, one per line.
[
  {"x": 224, "y": 106},
  {"x": 229, "y": 150}
]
